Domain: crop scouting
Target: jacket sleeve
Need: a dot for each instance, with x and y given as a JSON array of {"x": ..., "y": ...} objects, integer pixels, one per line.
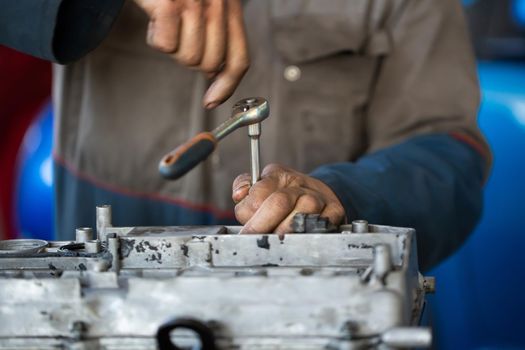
[
  {"x": 56, "y": 30},
  {"x": 432, "y": 183},
  {"x": 416, "y": 173}
]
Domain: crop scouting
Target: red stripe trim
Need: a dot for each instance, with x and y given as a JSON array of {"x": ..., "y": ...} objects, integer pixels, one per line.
[
  {"x": 470, "y": 141},
  {"x": 218, "y": 213}
]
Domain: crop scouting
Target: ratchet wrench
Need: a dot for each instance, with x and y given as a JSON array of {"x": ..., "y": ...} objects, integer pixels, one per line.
[{"x": 247, "y": 112}]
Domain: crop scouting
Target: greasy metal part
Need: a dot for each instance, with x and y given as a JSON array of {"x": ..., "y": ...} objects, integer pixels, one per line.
[
  {"x": 359, "y": 226},
  {"x": 407, "y": 337},
  {"x": 83, "y": 234},
  {"x": 103, "y": 221},
  {"x": 92, "y": 246},
  {"x": 245, "y": 112},
  {"x": 22, "y": 246},
  {"x": 307, "y": 291},
  {"x": 312, "y": 223}
]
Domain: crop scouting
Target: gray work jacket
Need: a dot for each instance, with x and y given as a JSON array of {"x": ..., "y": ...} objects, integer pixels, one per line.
[{"x": 344, "y": 78}]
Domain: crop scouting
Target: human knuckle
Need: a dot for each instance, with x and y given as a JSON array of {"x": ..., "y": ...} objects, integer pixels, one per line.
[
  {"x": 311, "y": 202},
  {"x": 242, "y": 65},
  {"x": 254, "y": 203},
  {"x": 191, "y": 5},
  {"x": 167, "y": 9},
  {"x": 215, "y": 7},
  {"x": 189, "y": 59},
  {"x": 211, "y": 66},
  {"x": 243, "y": 212},
  {"x": 253, "y": 200},
  {"x": 164, "y": 45},
  {"x": 273, "y": 167},
  {"x": 280, "y": 200}
]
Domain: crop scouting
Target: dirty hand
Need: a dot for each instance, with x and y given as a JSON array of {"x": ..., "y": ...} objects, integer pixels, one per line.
[
  {"x": 270, "y": 204},
  {"x": 207, "y": 35}
]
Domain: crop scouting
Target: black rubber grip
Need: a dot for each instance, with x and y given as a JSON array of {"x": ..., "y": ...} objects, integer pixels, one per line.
[{"x": 185, "y": 157}]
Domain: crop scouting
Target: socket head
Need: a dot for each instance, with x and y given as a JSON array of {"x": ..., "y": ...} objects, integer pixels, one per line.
[{"x": 251, "y": 110}]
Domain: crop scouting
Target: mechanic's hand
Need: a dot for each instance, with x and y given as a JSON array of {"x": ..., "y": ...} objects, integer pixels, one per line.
[
  {"x": 207, "y": 35},
  {"x": 270, "y": 204}
]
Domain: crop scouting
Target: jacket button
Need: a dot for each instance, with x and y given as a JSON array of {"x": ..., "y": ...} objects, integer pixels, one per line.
[{"x": 292, "y": 73}]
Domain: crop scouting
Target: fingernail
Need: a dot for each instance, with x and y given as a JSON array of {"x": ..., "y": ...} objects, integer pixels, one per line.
[
  {"x": 210, "y": 97},
  {"x": 246, "y": 230},
  {"x": 238, "y": 188},
  {"x": 151, "y": 33},
  {"x": 212, "y": 105}
]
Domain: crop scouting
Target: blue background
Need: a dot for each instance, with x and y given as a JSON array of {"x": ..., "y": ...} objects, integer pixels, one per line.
[{"x": 479, "y": 300}]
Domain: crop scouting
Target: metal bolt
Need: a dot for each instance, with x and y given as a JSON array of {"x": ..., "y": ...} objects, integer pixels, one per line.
[
  {"x": 407, "y": 337},
  {"x": 359, "y": 226},
  {"x": 84, "y": 234},
  {"x": 103, "y": 221},
  {"x": 92, "y": 246}
]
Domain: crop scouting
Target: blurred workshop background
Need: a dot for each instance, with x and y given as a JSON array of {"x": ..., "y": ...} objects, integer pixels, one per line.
[{"x": 479, "y": 302}]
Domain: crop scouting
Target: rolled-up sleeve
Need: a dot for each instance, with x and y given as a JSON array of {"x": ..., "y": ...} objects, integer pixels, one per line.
[{"x": 57, "y": 30}]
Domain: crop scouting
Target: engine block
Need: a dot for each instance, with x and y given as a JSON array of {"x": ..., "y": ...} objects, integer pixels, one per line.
[{"x": 209, "y": 287}]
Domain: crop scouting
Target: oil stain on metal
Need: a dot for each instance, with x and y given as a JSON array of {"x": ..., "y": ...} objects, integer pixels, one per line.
[
  {"x": 263, "y": 242},
  {"x": 126, "y": 246},
  {"x": 184, "y": 249}
]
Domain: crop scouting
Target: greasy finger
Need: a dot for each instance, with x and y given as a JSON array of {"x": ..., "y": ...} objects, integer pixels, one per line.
[
  {"x": 334, "y": 212},
  {"x": 163, "y": 28},
  {"x": 237, "y": 58},
  {"x": 261, "y": 190},
  {"x": 191, "y": 39},
  {"x": 257, "y": 194},
  {"x": 215, "y": 32},
  {"x": 240, "y": 187},
  {"x": 308, "y": 204},
  {"x": 272, "y": 211},
  {"x": 274, "y": 169}
]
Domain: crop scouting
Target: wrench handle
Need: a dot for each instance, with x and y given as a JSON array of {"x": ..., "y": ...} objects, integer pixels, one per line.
[{"x": 185, "y": 157}]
